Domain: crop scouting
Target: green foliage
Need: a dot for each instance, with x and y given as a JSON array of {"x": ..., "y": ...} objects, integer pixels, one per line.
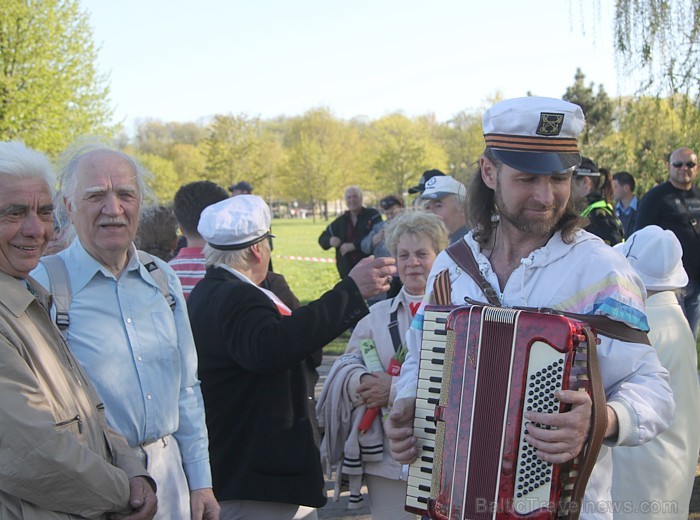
[
  {"x": 660, "y": 37},
  {"x": 597, "y": 108},
  {"x": 403, "y": 150},
  {"x": 164, "y": 182},
  {"x": 233, "y": 149},
  {"x": 312, "y": 158},
  {"x": 50, "y": 92},
  {"x": 649, "y": 129},
  {"x": 462, "y": 138},
  {"x": 320, "y": 156}
]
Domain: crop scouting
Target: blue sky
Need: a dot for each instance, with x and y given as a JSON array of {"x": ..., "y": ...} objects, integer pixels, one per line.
[{"x": 181, "y": 60}]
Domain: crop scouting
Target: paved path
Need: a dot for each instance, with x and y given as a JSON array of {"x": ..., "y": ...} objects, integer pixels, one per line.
[{"x": 339, "y": 511}]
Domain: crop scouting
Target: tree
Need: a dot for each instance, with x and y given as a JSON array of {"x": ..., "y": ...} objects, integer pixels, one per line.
[
  {"x": 404, "y": 148},
  {"x": 163, "y": 182},
  {"x": 661, "y": 38},
  {"x": 597, "y": 108},
  {"x": 650, "y": 129},
  {"x": 50, "y": 91},
  {"x": 320, "y": 157},
  {"x": 233, "y": 149},
  {"x": 463, "y": 140}
]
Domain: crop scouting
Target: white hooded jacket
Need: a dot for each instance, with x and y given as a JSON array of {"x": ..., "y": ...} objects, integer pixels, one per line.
[{"x": 585, "y": 277}]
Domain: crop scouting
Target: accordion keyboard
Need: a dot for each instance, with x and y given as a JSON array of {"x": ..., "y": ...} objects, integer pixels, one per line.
[{"x": 432, "y": 357}]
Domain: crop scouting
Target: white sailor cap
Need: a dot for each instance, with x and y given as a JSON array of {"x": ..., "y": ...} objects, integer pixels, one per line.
[
  {"x": 657, "y": 256},
  {"x": 535, "y": 134},
  {"x": 235, "y": 223}
]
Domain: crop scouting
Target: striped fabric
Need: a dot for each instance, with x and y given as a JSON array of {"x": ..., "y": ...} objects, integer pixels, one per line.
[
  {"x": 189, "y": 267},
  {"x": 612, "y": 296}
]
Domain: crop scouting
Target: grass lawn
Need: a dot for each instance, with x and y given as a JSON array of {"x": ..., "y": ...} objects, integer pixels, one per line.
[{"x": 308, "y": 279}]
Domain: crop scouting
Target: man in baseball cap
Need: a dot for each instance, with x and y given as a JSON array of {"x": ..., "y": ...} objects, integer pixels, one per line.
[
  {"x": 420, "y": 187},
  {"x": 265, "y": 463},
  {"x": 445, "y": 196},
  {"x": 240, "y": 188},
  {"x": 530, "y": 250}
]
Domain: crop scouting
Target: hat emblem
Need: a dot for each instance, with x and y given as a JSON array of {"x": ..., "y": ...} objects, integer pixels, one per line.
[
  {"x": 550, "y": 123},
  {"x": 430, "y": 182}
]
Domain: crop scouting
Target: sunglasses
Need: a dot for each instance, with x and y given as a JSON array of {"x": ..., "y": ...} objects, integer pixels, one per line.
[{"x": 679, "y": 164}]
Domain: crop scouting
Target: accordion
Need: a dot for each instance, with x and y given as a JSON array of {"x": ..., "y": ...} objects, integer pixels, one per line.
[{"x": 481, "y": 368}]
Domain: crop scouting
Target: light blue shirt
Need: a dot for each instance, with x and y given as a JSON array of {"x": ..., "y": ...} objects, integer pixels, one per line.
[{"x": 139, "y": 353}]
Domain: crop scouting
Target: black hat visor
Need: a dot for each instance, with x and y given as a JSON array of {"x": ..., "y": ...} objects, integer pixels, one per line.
[{"x": 542, "y": 163}]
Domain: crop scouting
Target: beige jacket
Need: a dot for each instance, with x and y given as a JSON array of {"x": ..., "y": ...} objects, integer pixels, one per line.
[
  {"x": 58, "y": 457},
  {"x": 376, "y": 326}
]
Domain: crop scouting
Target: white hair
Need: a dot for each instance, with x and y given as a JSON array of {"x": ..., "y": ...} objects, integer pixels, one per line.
[{"x": 22, "y": 162}]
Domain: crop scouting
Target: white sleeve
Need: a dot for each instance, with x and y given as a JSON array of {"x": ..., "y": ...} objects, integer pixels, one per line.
[{"x": 636, "y": 387}]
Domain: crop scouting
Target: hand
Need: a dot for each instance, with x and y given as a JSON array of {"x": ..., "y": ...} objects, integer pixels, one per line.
[
  {"x": 142, "y": 500},
  {"x": 373, "y": 275},
  {"x": 347, "y": 247},
  {"x": 374, "y": 389},
  {"x": 399, "y": 430},
  {"x": 565, "y": 442},
  {"x": 335, "y": 242},
  {"x": 204, "y": 505}
]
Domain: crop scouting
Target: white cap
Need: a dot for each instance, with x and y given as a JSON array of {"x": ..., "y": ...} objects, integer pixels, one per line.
[
  {"x": 656, "y": 255},
  {"x": 535, "y": 134},
  {"x": 235, "y": 223},
  {"x": 441, "y": 186}
]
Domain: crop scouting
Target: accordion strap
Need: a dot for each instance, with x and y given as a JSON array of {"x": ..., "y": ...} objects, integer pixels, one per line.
[
  {"x": 463, "y": 256},
  {"x": 442, "y": 289},
  {"x": 599, "y": 423}
]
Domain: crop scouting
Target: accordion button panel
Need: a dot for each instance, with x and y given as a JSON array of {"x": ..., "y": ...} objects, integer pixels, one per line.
[{"x": 545, "y": 376}]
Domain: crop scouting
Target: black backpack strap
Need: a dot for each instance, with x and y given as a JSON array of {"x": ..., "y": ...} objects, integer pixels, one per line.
[
  {"x": 394, "y": 329},
  {"x": 158, "y": 276}
]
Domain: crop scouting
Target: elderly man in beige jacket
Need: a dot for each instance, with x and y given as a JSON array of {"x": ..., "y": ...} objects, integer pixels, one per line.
[{"x": 58, "y": 458}]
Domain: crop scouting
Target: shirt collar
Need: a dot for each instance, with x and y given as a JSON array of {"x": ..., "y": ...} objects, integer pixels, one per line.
[
  {"x": 237, "y": 274},
  {"x": 632, "y": 205},
  {"x": 15, "y": 294},
  {"x": 83, "y": 267}
]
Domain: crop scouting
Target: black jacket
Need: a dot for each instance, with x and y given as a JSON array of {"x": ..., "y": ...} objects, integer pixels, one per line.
[
  {"x": 261, "y": 444},
  {"x": 367, "y": 218},
  {"x": 603, "y": 221}
]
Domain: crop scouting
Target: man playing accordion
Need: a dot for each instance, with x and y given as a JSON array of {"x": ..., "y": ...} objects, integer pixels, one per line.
[{"x": 528, "y": 243}]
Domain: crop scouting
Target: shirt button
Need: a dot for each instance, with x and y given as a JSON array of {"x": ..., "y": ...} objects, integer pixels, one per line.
[
  {"x": 149, "y": 397},
  {"x": 139, "y": 358},
  {"x": 128, "y": 320}
]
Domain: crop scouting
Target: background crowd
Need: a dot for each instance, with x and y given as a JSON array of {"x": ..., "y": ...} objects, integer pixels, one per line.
[{"x": 204, "y": 362}]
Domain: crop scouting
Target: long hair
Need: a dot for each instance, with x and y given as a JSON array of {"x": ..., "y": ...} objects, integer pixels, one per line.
[
  {"x": 604, "y": 185},
  {"x": 482, "y": 213}
]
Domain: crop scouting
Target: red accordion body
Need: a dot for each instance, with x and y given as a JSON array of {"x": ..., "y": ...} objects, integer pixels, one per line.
[{"x": 497, "y": 363}]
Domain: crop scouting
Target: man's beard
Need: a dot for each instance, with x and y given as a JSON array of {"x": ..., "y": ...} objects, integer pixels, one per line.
[{"x": 535, "y": 226}]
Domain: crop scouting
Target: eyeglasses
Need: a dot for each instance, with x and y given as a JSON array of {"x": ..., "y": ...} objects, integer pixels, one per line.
[{"x": 679, "y": 164}]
